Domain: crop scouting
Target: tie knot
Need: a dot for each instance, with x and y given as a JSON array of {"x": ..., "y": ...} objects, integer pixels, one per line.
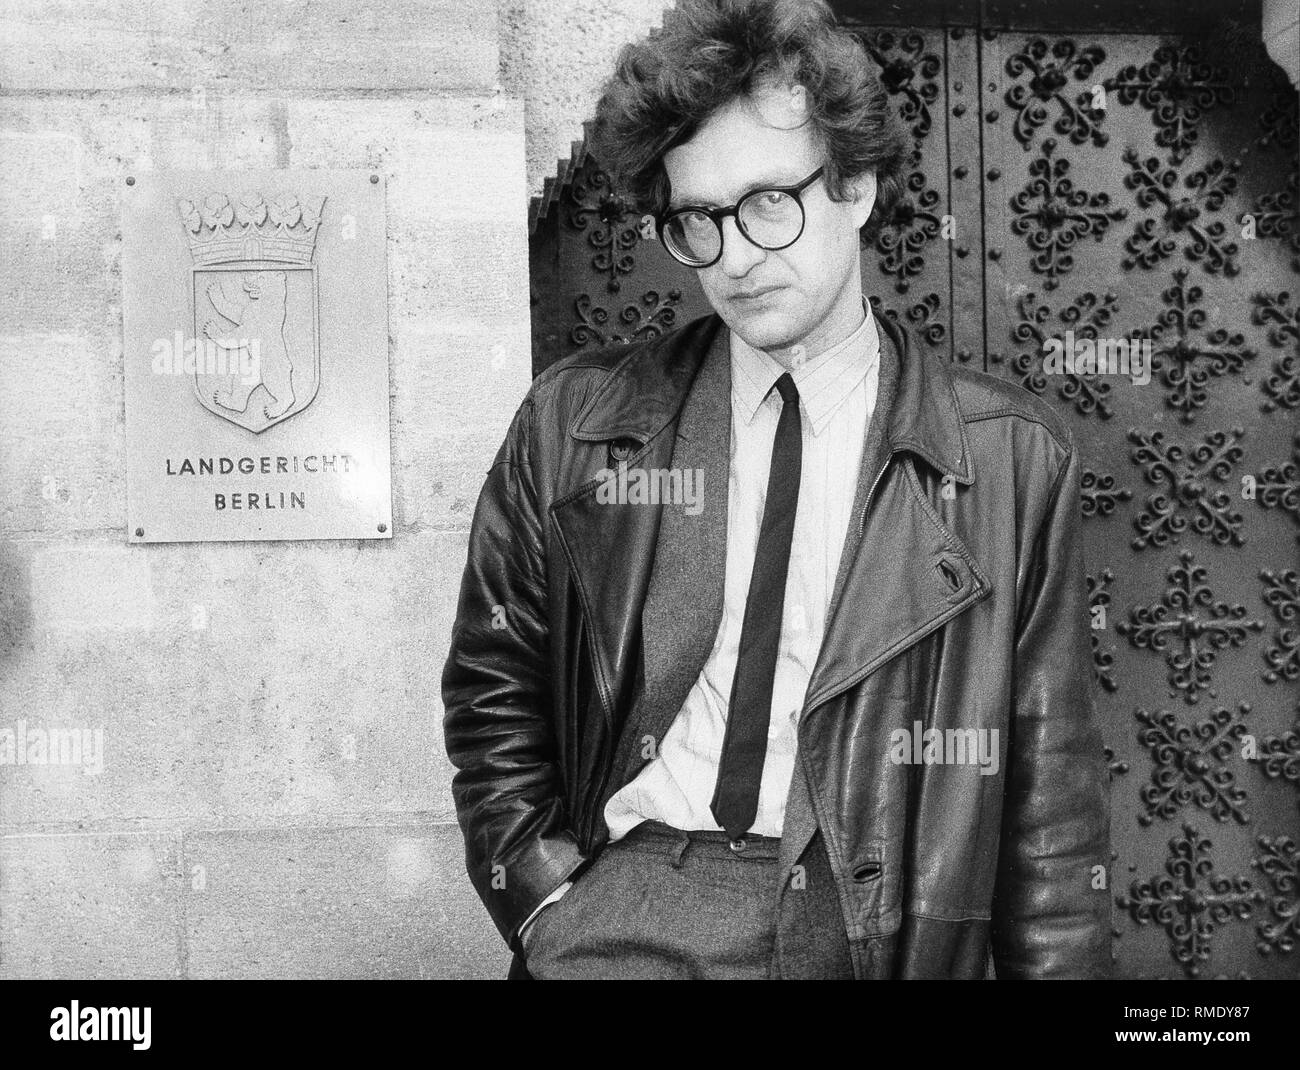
[{"x": 786, "y": 388}]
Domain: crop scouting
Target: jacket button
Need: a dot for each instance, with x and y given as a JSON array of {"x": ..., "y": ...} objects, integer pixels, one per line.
[
  {"x": 866, "y": 871},
  {"x": 620, "y": 449}
]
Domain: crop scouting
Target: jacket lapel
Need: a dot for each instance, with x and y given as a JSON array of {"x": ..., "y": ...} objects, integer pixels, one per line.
[
  {"x": 684, "y": 603},
  {"x": 903, "y": 573},
  {"x": 610, "y": 547}
]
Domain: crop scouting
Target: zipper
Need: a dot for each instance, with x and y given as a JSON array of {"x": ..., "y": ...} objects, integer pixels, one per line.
[{"x": 871, "y": 493}]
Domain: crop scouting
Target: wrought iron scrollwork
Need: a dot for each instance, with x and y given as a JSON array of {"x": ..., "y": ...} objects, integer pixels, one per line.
[
  {"x": 1191, "y": 502},
  {"x": 1278, "y": 487},
  {"x": 1186, "y": 363},
  {"x": 1282, "y": 595},
  {"x": 1280, "y": 313},
  {"x": 1052, "y": 215},
  {"x": 1050, "y": 69},
  {"x": 907, "y": 70},
  {"x": 1189, "y": 640},
  {"x": 923, "y": 318},
  {"x": 1086, "y": 316},
  {"x": 595, "y": 207},
  {"x": 1103, "y": 661},
  {"x": 649, "y": 317},
  {"x": 1279, "y": 861},
  {"x": 913, "y": 223},
  {"x": 1183, "y": 216},
  {"x": 1280, "y": 118},
  {"x": 1279, "y": 757},
  {"x": 1190, "y": 764},
  {"x": 1277, "y": 216},
  {"x": 1191, "y": 900},
  {"x": 1099, "y": 495},
  {"x": 1178, "y": 87}
]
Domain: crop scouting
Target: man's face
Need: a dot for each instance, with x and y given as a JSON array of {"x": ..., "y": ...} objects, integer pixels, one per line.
[{"x": 774, "y": 299}]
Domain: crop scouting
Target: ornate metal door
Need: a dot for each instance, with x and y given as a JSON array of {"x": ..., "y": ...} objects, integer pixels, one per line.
[{"x": 1137, "y": 185}]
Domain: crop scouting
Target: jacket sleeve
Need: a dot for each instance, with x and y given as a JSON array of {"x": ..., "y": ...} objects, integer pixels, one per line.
[
  {"x": 1051, "y": 907},
  {"x": 495, "y": 687}
]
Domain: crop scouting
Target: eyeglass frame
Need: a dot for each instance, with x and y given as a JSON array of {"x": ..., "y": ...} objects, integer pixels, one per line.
[{"x": 717, "y": 215}]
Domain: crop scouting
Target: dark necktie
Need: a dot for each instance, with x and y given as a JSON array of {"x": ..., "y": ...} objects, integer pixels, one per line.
[{"x": 744, "y": 746}]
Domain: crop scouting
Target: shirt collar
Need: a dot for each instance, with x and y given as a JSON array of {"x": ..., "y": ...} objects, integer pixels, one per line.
[{"x": 824, "y": 382}]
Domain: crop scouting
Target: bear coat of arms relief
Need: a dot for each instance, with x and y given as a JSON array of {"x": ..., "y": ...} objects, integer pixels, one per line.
[{"x": 254, "y": 304}]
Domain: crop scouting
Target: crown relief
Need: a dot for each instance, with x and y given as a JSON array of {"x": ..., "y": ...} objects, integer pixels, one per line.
[{"x": 252, "y": 227}]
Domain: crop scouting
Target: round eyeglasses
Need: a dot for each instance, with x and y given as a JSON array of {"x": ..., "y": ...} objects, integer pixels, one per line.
[{"x": 771, "y": 218}]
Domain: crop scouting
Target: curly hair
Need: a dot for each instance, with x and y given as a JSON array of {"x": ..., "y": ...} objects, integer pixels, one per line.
[{"x": 712, "y": 51}]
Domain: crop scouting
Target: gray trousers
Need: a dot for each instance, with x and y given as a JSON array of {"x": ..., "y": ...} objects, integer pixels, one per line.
[{"x": 662, "y": 903}]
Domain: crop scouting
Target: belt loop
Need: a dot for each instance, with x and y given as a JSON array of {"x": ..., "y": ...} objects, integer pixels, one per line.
[{"x": 679, "y": 849}]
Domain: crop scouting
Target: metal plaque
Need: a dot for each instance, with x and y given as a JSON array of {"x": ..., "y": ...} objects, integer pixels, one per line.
[{"x": 255, "y": 324}]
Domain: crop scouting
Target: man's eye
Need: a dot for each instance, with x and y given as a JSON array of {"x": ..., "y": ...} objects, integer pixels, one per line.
[{"x": 769, "y": 202}]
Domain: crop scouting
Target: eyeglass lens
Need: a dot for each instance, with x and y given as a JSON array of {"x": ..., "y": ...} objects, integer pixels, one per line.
[{"x": 770, "y": 219}]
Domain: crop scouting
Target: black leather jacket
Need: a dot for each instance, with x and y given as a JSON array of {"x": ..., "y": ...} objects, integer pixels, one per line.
[{"x": 964, "y": 607}]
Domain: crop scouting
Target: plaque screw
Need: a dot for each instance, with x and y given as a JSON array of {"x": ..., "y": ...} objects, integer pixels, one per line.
[
  {"x": 960, "y": 172},
  {"x": 995, "y": 254},
  {"x": 130, "y": 180},
  {"x": 959, "y": 110},
  {"x": 139, "y": 533},
  {"x": 374, "y": 180},
  {"x": 383, "y": 528}
]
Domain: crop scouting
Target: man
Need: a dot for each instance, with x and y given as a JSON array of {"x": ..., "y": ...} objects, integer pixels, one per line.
[{"x": 771, "y": 658}]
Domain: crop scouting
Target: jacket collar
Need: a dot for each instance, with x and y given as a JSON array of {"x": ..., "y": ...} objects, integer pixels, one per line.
[{"x": 646, "y": 389}]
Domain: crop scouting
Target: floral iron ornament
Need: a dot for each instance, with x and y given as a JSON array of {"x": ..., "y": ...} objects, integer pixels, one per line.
[
  {"x": 1050, "y": 69},
  {"x": 1053, "y": 216}
]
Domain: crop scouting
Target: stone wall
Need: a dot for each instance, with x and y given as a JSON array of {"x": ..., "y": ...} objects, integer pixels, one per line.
[{"x": 274, "y": 795}]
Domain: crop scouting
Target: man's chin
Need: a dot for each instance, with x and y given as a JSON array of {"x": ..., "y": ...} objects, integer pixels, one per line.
[{"x": 766, "y": 329}]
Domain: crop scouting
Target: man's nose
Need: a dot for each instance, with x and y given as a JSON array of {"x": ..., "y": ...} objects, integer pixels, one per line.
[{"x": 739, "y": 254}]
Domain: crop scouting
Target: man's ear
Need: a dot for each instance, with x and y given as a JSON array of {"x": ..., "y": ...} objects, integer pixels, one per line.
[{"x": 862, "y": 196}]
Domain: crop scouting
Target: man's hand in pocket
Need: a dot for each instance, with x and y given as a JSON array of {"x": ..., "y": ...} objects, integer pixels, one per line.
[{"x": 529, "y": 927}]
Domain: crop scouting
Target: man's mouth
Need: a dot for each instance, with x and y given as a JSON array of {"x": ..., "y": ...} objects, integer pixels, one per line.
[{"x": 749, "y": 295}]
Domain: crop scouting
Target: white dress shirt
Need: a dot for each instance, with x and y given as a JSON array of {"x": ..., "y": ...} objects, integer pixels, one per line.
[{"x": 837, "y": 396}]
